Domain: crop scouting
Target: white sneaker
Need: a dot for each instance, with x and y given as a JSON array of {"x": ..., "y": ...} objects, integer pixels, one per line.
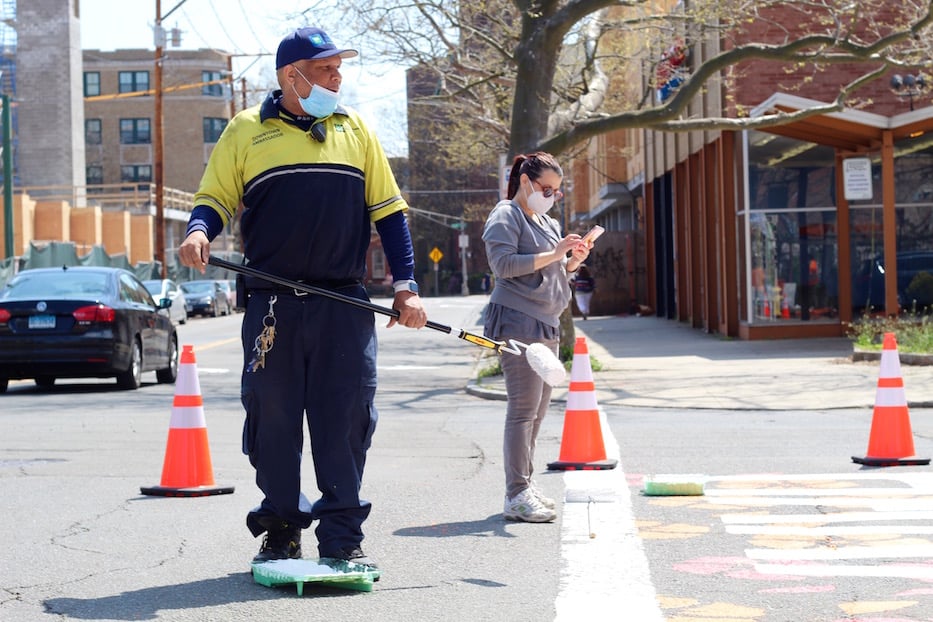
[
  {"x": 525, "y": 506},
  {"x": 545, "y": 501}
]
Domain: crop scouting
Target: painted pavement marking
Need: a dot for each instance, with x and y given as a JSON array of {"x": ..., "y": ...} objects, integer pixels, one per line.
[
  {"x": 598, "y": 532},
  {"x": 910, "y": 499}
]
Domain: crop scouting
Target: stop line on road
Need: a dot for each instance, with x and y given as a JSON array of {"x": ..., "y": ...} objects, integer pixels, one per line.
[{"x": 891, "y": 506}]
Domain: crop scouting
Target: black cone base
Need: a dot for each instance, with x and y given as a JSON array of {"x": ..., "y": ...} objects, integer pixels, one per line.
[
  {"x": 596, "y": 465},
  {"x": 197, "y": 491}
]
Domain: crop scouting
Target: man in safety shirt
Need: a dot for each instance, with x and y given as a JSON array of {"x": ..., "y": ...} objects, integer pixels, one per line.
[{"x": 311, "y": 177}]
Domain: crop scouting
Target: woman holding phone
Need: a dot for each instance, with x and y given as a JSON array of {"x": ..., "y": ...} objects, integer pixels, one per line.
[{"x": 528, "y": 256}]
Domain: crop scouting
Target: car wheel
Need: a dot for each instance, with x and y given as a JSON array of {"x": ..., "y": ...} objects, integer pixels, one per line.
[
  {"x": 170, "y": 373},
  {"x": 4, "y": 383},
  {"x": 132, "y": 377},
  {"x": 184, "y": 318},
  {"x": 45, "y": 382}
]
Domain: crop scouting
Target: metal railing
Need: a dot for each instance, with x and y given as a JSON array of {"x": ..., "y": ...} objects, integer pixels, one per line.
[{"x": 138, "y": 197}]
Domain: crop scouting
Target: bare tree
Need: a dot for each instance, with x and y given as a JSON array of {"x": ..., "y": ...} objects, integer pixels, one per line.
[
  {"x": 513, "y": 76},
  {"x": 551, "y": 74}
]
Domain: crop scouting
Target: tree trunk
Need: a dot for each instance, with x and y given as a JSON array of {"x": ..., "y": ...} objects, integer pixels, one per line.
[{"x": 568, "y": 334}]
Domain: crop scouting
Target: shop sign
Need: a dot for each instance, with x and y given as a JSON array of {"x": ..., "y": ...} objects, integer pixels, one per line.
[{"x": 856, "y": 179}]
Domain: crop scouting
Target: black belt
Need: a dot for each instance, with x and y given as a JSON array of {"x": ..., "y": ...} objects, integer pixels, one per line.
[{"x": 291, "y": 291}]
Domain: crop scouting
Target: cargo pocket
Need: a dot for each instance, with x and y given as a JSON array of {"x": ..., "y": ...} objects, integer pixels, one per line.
[{"x": 249, "y": 426}]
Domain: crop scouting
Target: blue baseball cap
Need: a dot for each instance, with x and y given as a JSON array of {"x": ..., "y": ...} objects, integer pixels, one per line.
[{"x": 308, "y": 44}]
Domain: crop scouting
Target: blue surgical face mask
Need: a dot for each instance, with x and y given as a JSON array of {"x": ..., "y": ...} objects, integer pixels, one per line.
[{"x": 320, "y": 102}]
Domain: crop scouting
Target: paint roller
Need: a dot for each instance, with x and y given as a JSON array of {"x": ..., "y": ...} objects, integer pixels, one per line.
[{"x": 540, "y": 358}]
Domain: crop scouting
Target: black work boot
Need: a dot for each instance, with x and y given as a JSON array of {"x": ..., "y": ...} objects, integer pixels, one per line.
[
  {"x": 351, "y": 554},
  {"x": 282, "y": 542}
]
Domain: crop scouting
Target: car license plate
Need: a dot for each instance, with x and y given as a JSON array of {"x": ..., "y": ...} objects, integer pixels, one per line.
[{"x": 41, "y": 321}]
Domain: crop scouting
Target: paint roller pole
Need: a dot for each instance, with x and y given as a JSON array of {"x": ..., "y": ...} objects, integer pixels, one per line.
[{"x": 542, "y": 360}]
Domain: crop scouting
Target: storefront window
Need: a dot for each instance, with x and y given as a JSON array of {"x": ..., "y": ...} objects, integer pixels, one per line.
[
  {"x": 913, "y": 219},
  {"x": 791, "y": 252}
]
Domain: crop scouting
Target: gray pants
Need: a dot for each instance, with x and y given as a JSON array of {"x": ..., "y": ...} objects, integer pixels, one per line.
[{"x": 528, "y": 399}]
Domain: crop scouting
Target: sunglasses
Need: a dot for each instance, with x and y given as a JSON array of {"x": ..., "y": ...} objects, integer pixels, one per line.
[{"x": 547, "y": 191}]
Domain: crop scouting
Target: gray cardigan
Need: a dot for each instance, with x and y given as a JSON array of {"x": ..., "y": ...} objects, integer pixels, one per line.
[{"x": 512, "y": 240}]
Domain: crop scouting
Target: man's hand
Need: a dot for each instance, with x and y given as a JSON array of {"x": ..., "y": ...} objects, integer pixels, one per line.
[
  {"x": 195, "y": 251},
  {"x": 411, "y": 311}
]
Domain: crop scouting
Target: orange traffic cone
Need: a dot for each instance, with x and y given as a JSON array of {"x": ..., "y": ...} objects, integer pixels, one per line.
[
  {"x": 187, "y": 470},
  {"x": 891, "y": 442},
  {"x": 581, "y": 446}
]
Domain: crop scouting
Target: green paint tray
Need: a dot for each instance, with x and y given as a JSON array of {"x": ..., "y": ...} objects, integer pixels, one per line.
[
  {"x": 327, "y": 571},
  {"x": 674, "y": 485}
]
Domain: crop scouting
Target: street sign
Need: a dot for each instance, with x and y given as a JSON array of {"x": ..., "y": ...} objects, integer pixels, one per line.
[{"x": 436, "y": 255}]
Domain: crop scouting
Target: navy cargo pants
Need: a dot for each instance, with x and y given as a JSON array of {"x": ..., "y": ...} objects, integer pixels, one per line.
[{"x": 322, "y": 366}]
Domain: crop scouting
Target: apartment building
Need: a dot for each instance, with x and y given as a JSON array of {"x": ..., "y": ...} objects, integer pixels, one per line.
[
  {"x": 119, "y": 114},
  {"x": 120, "y": 124}
]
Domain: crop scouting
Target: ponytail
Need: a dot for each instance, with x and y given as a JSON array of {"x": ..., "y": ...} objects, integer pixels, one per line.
[{"x": 533, "y": 165}]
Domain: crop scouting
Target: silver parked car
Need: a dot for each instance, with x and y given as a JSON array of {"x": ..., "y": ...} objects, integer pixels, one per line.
[
  {"x": 167, "y": 288},
  {"x": 205, "y": 298}
]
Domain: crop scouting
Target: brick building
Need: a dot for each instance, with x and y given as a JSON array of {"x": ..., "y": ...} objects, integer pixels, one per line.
[{"x": 794, "y": 230}]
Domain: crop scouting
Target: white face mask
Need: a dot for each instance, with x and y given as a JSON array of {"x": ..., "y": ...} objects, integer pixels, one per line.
[{"x": 538, "y": 203}]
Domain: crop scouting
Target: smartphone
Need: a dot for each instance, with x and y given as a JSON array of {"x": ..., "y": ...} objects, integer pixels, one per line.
[{"x": 592, "y": 234}]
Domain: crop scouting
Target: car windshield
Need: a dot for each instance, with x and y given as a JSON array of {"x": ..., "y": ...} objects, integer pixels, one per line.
[
  {"x": 198, "y": 287},
  {"x": 154, "y": 287},
  {"x": 62, "y": 284}
]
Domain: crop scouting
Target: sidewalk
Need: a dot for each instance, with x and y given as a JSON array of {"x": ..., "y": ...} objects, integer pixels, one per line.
[{"x": 654, "y": 362}]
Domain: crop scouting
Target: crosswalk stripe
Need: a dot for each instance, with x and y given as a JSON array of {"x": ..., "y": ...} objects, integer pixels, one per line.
[
  {"x": 902, "y": 571},
  {"x": 836, "y": 530},
  {"x": 882, "y": 511},
  {"x": 822, "y": 492},
  {"x": 844, "y": 552},
  {"x": 887, "y": 503},
  {"x": 835, "y": 517}
]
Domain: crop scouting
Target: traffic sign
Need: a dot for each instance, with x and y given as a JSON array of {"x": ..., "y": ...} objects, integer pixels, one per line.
[{"x": 436, "y": 255}]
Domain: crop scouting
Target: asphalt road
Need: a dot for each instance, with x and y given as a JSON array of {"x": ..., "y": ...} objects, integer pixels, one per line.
[{"x": 83, "y": 544}]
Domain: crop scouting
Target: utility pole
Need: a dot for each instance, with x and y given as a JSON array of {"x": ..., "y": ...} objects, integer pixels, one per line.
[
  {"x": 157, "y": 137},
  {"x": 8, "y": 175},
  {"x": 231, "y": 84}
]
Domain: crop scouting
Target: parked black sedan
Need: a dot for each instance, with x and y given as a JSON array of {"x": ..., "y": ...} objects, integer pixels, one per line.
[{"x": 83, "y": 322}]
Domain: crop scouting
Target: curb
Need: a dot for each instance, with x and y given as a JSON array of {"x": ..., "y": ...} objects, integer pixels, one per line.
[{"x": 907, "y": 358}]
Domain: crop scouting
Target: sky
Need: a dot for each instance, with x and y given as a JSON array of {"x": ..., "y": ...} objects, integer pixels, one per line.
[{"x": 252, "y": 28}]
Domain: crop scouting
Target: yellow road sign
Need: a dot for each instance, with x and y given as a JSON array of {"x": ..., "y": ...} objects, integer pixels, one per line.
[{"x": 436, "y": 255}]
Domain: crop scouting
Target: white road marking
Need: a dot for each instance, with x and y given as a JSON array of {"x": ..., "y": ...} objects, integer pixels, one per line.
[
  {"x": 207, "y": 371},
  {"x": 833, "y": 517},
  {"x": 835, "y": 530},
  {"x": 879, "y": 502},
  {"x": 822, "y": 492},
  {"x": 608, "y": 572},
  {"x": 895, "y": 506},
  {"x": 901, "y": 571}
]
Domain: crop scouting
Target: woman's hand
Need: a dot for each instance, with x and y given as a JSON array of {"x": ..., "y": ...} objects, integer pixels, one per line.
[
  {"x": 580, "y": 252},
  {"x": 569, "y": 244}
]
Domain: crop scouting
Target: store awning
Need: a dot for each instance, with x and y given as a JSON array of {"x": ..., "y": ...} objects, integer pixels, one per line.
[{"x": 849, "y": 130}]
